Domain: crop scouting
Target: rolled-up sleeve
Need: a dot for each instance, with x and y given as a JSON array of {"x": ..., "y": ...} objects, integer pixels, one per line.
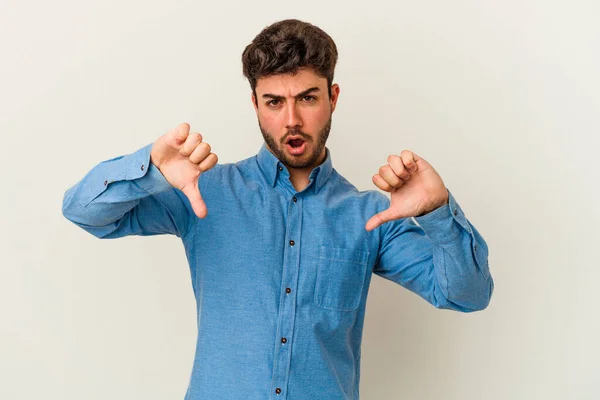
[{"x": 441, "y": 257}]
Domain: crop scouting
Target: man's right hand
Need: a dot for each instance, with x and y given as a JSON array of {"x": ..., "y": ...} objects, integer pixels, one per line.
[{"x": 181, "y": 157}]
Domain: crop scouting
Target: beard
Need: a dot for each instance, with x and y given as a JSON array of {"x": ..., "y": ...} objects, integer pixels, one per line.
[{"x": 310, "y": 159}]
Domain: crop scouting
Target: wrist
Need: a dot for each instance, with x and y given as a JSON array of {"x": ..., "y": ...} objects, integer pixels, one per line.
[
  {"x": 154, "y": 159},
  {"x": 429, "y": 210}
]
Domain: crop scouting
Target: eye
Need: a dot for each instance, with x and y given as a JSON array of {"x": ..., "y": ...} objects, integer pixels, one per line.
[
  {"x": 272, "y": 103},
  {"x": 309, "y": 99}
]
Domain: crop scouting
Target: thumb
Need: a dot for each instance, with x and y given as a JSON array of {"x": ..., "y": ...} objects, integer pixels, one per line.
[
  {"x": 176, "y": 137},
  {"x": 380, "y": 218},
  {"x": 192, "y": 192}
]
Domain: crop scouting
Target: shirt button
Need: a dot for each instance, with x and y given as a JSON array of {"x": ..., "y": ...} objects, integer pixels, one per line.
[
  {"x": 142, "y": 167},
  {"x": 295, "y": 199},
  {"x": 292, "y": 242},
  {"x": 280, "y": 168},
  {"x": 288, "y": 290},
  {"x": 277, "y": 390},
  {"x": 455, "y": 212},
  {"x": 475, "y": 247},
  {"x": 283, "y": 340},
  {"x": 105, "y": 183}
]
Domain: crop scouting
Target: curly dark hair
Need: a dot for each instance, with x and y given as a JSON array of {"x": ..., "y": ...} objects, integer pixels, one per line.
[{"x": 286, "y": 47}]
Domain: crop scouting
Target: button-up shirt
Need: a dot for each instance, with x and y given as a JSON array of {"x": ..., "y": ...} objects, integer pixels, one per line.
[{"x": 281, "y": 277}]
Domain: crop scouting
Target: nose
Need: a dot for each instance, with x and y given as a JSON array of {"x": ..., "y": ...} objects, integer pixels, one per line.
[{"x": 293, "y": 117}]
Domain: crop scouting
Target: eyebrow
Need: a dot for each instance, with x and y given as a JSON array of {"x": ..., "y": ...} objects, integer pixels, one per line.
[{"x": 299, "y": 95}]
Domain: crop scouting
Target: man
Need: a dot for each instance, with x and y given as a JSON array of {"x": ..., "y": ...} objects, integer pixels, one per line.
[{"x": 281, "y": 247}]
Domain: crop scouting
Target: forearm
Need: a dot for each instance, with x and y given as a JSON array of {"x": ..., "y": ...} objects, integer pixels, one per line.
[
  {"x": 111, "y": 190},
  {"x": 460, "y": 258}
]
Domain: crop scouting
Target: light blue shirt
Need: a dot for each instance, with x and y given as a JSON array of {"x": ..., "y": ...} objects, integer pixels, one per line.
[{"x": 281, "y": 277}]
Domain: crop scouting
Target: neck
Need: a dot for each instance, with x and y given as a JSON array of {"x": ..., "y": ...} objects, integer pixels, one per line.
[
  {"x": 299, "y": 176},
  {"x": 299, "y": 180}
]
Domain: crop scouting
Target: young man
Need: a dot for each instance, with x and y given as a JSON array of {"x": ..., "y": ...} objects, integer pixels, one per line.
[{"x": 281, "y": 247}]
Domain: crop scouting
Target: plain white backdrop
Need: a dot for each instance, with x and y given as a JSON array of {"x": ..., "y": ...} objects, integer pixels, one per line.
[{"x": 502, "y": 98}]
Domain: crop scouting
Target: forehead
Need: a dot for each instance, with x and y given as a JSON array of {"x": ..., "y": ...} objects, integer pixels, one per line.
[{"x": 289, "y": 85}]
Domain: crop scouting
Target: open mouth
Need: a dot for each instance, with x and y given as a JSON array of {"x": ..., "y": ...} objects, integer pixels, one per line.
[
  {"x": 296, "y": 146},
  {"x": 296, "y": 143}
]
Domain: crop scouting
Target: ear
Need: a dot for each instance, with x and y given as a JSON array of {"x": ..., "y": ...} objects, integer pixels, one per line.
[
  {"x": 335, "y": 92},
  {"x": 254, "y": 103}
]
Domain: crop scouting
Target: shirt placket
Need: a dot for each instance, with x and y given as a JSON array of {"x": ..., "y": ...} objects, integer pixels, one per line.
[{"x": 287, "y": 303}]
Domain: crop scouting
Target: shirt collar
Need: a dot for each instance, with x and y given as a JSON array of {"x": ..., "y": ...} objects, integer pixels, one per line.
[{"x": 271, "y": 166}]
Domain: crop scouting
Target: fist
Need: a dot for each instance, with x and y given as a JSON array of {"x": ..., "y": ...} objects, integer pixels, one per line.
[
  {"x": 415, "y": 186},
  {"x": 181, "y": 157}
]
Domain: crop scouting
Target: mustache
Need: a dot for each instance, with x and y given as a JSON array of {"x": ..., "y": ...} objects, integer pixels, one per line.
[{"x": 303, "y": 135}]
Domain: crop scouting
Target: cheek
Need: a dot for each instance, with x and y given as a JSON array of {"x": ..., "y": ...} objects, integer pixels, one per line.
[
  {"x": 272, "y": 123},
  {"x": 319, "y": 117}
]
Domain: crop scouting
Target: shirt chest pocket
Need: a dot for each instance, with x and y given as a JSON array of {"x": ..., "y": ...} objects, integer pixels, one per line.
[{"x": 340, "y": 278}]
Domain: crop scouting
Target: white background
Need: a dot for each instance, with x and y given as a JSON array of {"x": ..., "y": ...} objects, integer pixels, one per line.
[{"x": 502, "y": 98}]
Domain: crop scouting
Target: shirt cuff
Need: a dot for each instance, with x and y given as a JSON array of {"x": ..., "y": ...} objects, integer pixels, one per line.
[
  {"x": 131, "y": 167},
  {"x": 438, "y": 224},
  {"x": 147, "y": 175}
]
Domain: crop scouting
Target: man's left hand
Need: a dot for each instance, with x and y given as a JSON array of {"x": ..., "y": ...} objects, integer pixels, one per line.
[{"x": 416, "y": 188}]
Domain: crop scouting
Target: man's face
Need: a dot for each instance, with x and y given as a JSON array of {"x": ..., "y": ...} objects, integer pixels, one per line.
[{"x": 295, "y": 106}]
